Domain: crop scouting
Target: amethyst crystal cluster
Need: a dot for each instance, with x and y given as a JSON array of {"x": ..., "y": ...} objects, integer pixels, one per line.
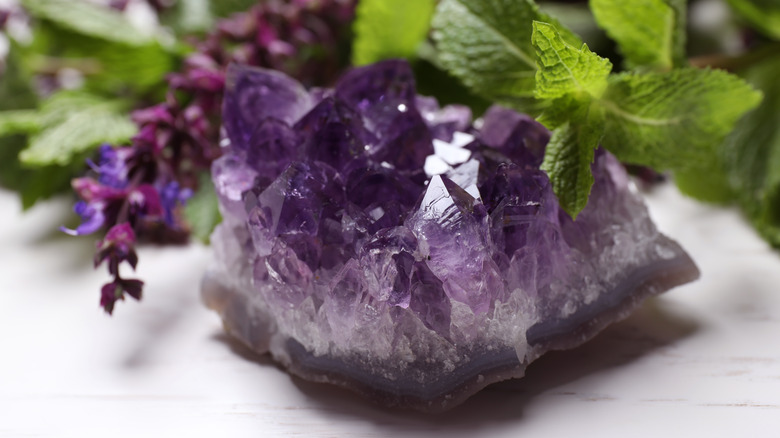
[{"x": 374, "y": 240}]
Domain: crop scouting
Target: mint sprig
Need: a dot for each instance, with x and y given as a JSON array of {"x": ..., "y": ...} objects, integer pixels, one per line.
[{"x": 666, "y": 119}]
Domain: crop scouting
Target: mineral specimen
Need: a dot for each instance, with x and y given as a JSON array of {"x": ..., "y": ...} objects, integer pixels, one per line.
[{"x": 374, "y": 240}]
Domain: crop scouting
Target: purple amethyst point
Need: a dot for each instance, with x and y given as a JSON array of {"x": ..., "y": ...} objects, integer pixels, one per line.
[{"x": 253, "y": 95}]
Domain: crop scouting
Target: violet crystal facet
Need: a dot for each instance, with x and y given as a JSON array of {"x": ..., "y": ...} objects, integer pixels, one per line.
[{"x": 374, "y": 240}]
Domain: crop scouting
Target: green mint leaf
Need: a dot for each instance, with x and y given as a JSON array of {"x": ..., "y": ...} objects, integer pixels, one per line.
[
  {"x": 88, "y": 19},
  {"x": 19, "y": 122},
  {"x": 564, "y": 69},
  {"x": 61, "y": 105},
  {"x": 390, "y": 29},
  {"x": 16, "y": 89},
  {"x": 487, "y": 45},
  {"x": 108, "y": 67},
  {"x": 708, "y": 182},
  {"x": 45, "y": 182},
  {"x": 80, "y": 132},
  {"x": 751, "y": 154},
  {"x": 673, "y": 120},
  {"x": 16, "y": 94},
  {"x": 139, "y": 68},
  {"x": 649, "y": 33},
  {"x": 72, "y": 124},
  {"x": 36, "y": 184},
  {"x": 569, "y": 155},
  {"x": 764, "y": 15},
  {"x": 202, "y": 210},
  {"x": 559, "y": 111}
]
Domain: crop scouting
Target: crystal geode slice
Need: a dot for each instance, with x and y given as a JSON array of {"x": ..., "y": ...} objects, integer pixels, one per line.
[{"x": 374, "y": 240}]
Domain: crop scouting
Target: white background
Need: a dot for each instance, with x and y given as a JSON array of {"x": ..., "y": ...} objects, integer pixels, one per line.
[{"x": 702, "y": 360}]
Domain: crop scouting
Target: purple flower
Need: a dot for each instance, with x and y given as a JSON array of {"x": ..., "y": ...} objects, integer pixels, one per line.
[
  {"x": 139, "y": 187},
  {"x": 171, "y": 195},
  {"x": 96, "y": 200},
  {"x": 112, "y": 292},
  {"x": 118, "y": 246},
  {"x": 96, "y": 196},
  {"x": 109, "y": 294},
  {"x": 112, "y": 168},
  {"x": 120, "y": 236},
  {"x": 92, "y": 218},
  {"x": 90, "y": 190},
  {"x": 145, "y": 201},
  {"x": 201, "y": 73},
  {"x": 148, "y": 137},
  {"x": 158, "y": 114}
]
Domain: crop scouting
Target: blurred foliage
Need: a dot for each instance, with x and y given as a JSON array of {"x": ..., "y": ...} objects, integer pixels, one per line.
[
  {"x": 751, "y": 154},
  {"x": 46, "y": 132},
  {"x": 198, "y": 16},
  {"x": 202, "y": 210}
]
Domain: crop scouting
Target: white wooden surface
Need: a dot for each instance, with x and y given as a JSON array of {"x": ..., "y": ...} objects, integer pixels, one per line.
[{"x": 703, "y": 360}]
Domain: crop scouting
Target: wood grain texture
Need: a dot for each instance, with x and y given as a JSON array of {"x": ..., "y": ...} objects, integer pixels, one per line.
[{"x": 702, "y": 360}]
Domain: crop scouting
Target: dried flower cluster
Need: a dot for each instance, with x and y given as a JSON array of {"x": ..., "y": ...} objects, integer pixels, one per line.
[{"x": 134, "y": 190}]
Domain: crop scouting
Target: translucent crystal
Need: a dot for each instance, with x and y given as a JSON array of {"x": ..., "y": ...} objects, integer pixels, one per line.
[{"x": 341, "y": 257}]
